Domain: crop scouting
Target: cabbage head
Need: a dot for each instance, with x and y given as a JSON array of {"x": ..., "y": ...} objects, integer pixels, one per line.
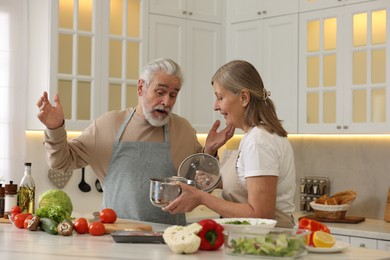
[{"x": 56, "y": 198}]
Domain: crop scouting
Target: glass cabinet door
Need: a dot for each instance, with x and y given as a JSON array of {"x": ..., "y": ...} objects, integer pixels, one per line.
[
  {"x": 97, "y": 52},
  {"x": 367, "y": 85}
]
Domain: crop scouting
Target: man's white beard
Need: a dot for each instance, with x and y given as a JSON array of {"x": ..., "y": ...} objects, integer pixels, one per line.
[{"x": 153, "y": 121}]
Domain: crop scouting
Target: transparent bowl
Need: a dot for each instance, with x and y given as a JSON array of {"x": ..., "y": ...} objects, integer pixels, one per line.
[
  {"x": 248, "y": 225},
  {"x": 277, "y": 243}
]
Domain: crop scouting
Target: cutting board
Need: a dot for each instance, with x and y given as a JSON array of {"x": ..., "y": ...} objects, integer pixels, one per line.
[
  {"x": 4, "y": 220},
  {"x": 346, "y": 219},
  {"x": 387, "y": 209},
  {"x": 125, "y": 224}
]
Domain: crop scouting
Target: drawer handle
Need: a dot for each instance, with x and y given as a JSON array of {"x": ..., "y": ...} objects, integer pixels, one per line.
[{"x": 362, "y": 245}]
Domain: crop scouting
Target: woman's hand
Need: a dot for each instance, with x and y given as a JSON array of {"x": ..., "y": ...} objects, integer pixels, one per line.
[
  {"x": 216, "y": 140},
  {"x": 51, "y": 116},
  {"x": 187, "y": 201}
]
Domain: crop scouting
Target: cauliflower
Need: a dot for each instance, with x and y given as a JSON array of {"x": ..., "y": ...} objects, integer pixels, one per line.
[{"x": 183, "y": 239}]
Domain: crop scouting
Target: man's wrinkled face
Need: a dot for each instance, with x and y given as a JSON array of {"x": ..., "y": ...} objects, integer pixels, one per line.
[{"x": 158, "y": 98}]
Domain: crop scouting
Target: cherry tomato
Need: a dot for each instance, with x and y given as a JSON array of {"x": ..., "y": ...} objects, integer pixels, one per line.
[
  {"x": 16, "y": 209},
  {"x": 19, "y": 219},
  {"x": 107, "y": 215},
  {"x": 97, "y": 228},
  {"x": 26, "y": 221},
  {"x": 81, "y": 226}
]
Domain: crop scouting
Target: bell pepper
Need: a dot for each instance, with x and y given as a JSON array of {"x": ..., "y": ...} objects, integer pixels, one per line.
[
  {"x": 211, "y": 235},
  {"x": 312, "y": 225}
]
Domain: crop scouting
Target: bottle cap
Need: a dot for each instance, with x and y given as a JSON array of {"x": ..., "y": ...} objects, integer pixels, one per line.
[
  {"x": 27, "y": 164},
  {"x": 2, "y": 190}
]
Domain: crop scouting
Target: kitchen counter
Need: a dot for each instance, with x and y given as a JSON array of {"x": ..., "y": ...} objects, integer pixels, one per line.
[
  {"x": 369, "y": 228},
  {"x": 22, "y": 244}
]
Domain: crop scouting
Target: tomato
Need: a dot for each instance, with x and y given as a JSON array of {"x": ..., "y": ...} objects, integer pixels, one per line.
[
  {"x": 107, "y": 215},
  {"x": 97, "y": 228},
  {"x": 26, "y": 221},
  {"x": 16, "y": 209},
  {"x": 81, "y": 226},
  {"x": 19, "y": 219}
]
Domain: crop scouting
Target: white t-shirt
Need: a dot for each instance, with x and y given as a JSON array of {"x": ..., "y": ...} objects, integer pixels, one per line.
[{"x": 264, "y": 154}]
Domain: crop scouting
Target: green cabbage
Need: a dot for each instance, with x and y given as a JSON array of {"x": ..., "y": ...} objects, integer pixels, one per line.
[{"x": 55, "y": 204}]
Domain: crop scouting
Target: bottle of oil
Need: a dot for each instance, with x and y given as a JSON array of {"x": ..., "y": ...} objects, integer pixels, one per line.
[{"x": 27, "y": 190}]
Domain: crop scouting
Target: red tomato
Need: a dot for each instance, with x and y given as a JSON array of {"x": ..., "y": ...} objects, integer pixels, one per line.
[
  {"x": 81, "y": 226},
  {"x": 97, "y": 228},
  {"x": 107, "y": 215},
  {"x": 16, "y": 209},
  {"x": 26, "y": 221},
  {"x": 19, "y": 219}
]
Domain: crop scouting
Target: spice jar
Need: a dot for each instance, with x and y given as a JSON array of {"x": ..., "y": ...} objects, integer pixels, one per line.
[{"x": 11, "y": 198}]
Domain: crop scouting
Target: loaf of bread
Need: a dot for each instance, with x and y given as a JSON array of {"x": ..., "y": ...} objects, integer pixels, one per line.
[{"x": 339, "y": 198}]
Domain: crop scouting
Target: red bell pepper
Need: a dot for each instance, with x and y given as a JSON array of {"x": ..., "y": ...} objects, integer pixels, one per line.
[
  {"x": 312, "y": 225},
  {"x": 211, "y": 235}
]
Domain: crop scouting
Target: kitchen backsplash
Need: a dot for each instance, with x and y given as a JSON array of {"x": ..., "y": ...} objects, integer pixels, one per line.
[{"x": 360, "y": 163}]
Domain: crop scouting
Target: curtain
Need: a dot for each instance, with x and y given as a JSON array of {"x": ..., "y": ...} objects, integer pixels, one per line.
[{"x": 13, "y": 88}]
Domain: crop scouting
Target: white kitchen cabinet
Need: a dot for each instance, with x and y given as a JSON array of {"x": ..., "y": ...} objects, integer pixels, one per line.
[
  {"x": 200, "y": 10},
  {"x": 363, "y": 242},
  {"x": 197, "y": 48},
  {"x": 239, "y": 11},
  {"x": 341, "y": 238},
  {"x": 383, "y": 245},
  {"x": 311, "y": 5},
  {"x": 343, "y": 60},
  {"x": 89, "y": 52},
  {"x": 271, "y": 45}
]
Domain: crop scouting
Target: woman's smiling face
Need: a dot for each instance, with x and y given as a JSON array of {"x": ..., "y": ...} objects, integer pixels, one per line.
[{"x": 231, "y": 106}]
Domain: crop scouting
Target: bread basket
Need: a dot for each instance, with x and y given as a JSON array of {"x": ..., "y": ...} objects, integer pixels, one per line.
[{"x": 329, "y": 211}]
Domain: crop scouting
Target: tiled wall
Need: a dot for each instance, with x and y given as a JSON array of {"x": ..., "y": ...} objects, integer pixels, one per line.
[{"x": 358, "y": 163}]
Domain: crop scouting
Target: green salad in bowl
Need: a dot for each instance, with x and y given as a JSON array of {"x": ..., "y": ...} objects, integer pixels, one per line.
[
  {"x": 278, "y": 242},
  {"x": 249, "y": 225}
]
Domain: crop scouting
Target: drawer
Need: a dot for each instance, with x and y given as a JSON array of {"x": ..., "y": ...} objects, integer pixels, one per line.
[
  {"x": 384, "y": 245},
  {"x": 363, "y": 242}
]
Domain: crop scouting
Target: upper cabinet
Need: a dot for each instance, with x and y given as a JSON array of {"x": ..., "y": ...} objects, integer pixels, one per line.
[
  {"x": 200, "y": 10},
  {"x": 197, "y": 47},
  {"x": 240, "y": 11},
  {"x": 311, "y": 5},
  {"x": 270, "y": 43},
  {"x": 92, "y": 53},
  {"x": 344, "y": 66}
]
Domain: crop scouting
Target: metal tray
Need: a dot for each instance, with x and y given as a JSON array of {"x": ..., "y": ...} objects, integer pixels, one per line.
[{"x": 123, "y": 236}]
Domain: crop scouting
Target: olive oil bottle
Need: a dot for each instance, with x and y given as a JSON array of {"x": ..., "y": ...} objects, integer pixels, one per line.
[{"x": 27, "y": 190}]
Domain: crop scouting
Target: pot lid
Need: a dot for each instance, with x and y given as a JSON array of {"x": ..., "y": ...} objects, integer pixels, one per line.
[{"x": 203, "y": 169}]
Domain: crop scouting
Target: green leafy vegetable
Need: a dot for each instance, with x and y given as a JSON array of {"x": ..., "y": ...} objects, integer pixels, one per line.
[
  {"x": 238, "y": 222},
  {"x": 54, "y": 204}
]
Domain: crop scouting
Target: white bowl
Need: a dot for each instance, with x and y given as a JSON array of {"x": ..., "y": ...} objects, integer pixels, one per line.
[{"x": 256, "y": 225}]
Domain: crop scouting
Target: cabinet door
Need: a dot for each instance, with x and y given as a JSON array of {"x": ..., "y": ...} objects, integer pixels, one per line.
[
  {"x": 384, "y": 245},
  {"x": 363, "y": 242},
  {"x": 254, "y": 9},
  {"x": 310, "y": 5},
  {"x": 280, "y": 67},
  {"x": 167, "y": 39},
  {"x": 201, "y": 10},
  {"x": 367, "y": 63},
  {"x": 320, "y": 72},
  {"x": 203, "y": 58}
]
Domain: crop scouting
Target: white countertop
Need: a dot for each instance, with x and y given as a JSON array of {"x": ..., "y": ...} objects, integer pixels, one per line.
[
  {"x": 23, "y": 244},
  {"x": 369, "y": 228}
]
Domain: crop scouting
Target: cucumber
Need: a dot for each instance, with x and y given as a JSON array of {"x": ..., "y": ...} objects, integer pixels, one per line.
[{"x": 49, "y": 225}]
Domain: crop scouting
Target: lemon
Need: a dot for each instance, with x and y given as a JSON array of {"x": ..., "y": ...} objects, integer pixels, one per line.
[{"x": 323, "y": 239}]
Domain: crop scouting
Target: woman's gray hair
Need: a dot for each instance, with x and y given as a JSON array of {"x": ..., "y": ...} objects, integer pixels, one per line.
[{"x": 167, "y": 66}]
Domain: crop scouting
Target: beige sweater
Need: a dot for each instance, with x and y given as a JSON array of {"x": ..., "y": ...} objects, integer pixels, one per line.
[{"x": 94, "y": 146}]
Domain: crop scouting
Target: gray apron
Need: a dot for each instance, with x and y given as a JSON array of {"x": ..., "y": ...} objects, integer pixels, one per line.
[
  {"x": 234, "y": 191},
  {"x": 127, "y": 182}
]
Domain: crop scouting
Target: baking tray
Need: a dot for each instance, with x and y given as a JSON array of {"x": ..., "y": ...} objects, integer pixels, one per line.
[{"x": 123, "y": 236}]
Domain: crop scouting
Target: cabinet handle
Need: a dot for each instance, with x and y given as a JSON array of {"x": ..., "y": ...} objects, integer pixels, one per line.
[
  {"x": 345, "y": 127},
  {"x": 265, "y": 12},
  {"x": 338, "y": 127},
  {"x": 259, "y": 12},
  {"x": 190, "y": 13},
  {"x": 184, "y": 12},
  {"x": 362, "y": 245}
]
